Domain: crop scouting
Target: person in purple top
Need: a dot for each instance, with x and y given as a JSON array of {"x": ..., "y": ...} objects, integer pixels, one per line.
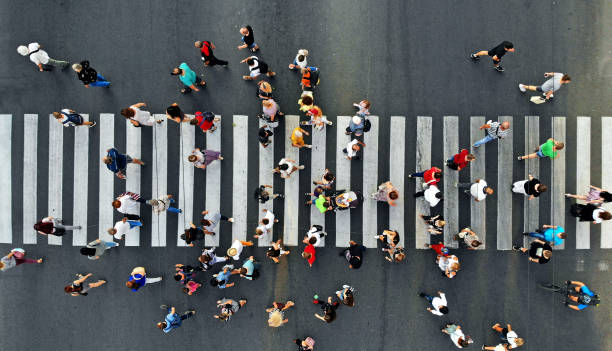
[{"x": 138, "y": 279}]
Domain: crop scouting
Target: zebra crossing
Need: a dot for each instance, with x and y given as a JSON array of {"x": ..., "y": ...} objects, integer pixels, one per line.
[{"x": 399, "y": 147}]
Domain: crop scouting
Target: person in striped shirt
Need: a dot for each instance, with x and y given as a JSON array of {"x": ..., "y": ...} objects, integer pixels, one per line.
[{"x": 495, "y": 130}]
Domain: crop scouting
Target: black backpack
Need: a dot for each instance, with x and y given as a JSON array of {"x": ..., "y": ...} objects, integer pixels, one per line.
[{"x": 367, "y": 125}]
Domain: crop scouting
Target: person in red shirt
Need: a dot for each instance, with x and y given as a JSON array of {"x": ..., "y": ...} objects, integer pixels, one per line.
[
  {"x": 431, "y": 176},
  {"x": 206, "y": 121},
  {"x": 206, "y": 50},
  {"x": 438, "y": 248},
  {"x": 309, "y": 254},
  {"x": 460, "y": 160}
]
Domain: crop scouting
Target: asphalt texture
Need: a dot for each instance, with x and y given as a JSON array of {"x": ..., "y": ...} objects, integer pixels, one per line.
[{"x": 410, "y": 58}]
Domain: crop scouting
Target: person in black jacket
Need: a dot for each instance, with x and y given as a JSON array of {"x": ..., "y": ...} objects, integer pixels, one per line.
[
  {"x": 248, "y": 39},
  {"x": 89, "y": 76},
  {"x": 206, "y": 50},
  {"x": 531, "y": 187}
]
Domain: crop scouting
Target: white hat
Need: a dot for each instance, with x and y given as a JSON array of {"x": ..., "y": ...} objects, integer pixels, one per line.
[
  {"x": 356, "y": 119},
  {"x": 23, "y": 50},
  {"x": 298, "y": 134}
]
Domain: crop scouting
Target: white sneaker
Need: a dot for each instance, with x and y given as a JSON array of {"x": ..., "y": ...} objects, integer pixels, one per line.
[
  {"x": 345, "y": 286},
  {"x": 522, "y": 88}
]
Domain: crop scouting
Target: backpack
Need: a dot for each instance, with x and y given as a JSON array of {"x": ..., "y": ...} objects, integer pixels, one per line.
[
  {"x": 367, "y": 125},
  {"x": 310, "y": 79}
]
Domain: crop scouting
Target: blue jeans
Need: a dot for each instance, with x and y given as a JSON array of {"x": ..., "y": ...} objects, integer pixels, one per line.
[
  {"x": 173, "y": 209},
  {"x": 135, "y": 224},
  {"x": 101, "y": 82},
  {"x": 429, "y": 298},
  {"x": 484, "y": 140},
  {"x": 539, "y": 153},
  {"x": 417, "y": 174},
  {"x": 110, "y": 244},
  {"x": 537, "y": 235},
  {"x": 452, "y": 159}
]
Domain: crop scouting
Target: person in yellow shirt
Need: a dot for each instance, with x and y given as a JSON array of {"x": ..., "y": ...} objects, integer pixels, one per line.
[{"x": 297, "y": 138}]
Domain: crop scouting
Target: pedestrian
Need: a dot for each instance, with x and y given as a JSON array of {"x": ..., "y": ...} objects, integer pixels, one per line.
[
  {"x": 431, "y": 176},
  {"x": 498, "y": 347},
  {"x": 496, "y": 54},
  {"x": 306, "y": 101},
  {"x": 386, "y": 193},
  {"x": 138, "y": 279},
  {"x": 327, "y": 179},
  {"x": 531, "y": 187},
  {"x": 494, "y": 131},
  {"x": 396, "y": 254},
  {"x": 40, "y": 57},
  {"x": 590, "y": 212},
  {"x": 469, "y": 238},
  {"x": 438, "y": 248},
  {"x": 15, "y": 258},
  {"x": 317, "y": 120},
  {"x": 276, "y": 251},
  {"x": 346, "y": 295},
  {"x": 188, "y": 77},
  {"x": 552, "y": 234},
  {"x": 264, "y": 90},
  {"x": 248, "y": 270},
  {"x": 263, "y": 195},
  {"x": 315, "y": 236},
  {"x": 228, "y": 308},
  {"x": 329, "y": 309},
  {"x": 206, "y": 50},
  {"x": 286, "y": 167},
  {"x": 53, "y": 226},
  {"x": 390, "y": 238},
  {"x": 509, "y": 335},
  {"x": 221, "y": 279},
  {"x": 300, "y": 61},
  {"x": 271, "y": 112},
  {"x": 439, "y": 305},
  {"x": 352, "y": 149},
  {"x": 276, "y": 313},
  {"x": 363, "y": 108},
  {"x": 548, "y": 149},
  {"x": 248, "y": 39},
  {"x": 314, "y": 195},
  {"x": 461, "y": 160},
  {"x": 193, "y": 234},
  {"x": 89, "y": 76},
  {"x": 309, "y": 254},
  {"x": 77, "y": 287},
  {"x": 595, "y": 196},
  {"x": 201, "y": 159},
  {"x": 264, "y": 134},
  {"x": 264, "y": 230},
  {"x": 354, "y": 254},
  {"x": 164, "y": 203},
  {"x": 69, "y": 118},
  {"x": 457, "y": 336},
  {"x": 539, "y": 251},
  {"x": 431, "y": 194},
  {"x": 478, "y": 190},
  {"x": 297, "y": 138},
  {"x": 209, "y": 224},
  {"x": 356, "y": 126},
  {"x": 236, "y": 249},
  {"x": 138, "y": 117},
  {"x": 306, "y": 344},
  {"x": 184, "y": 273},
  {"x": 128, "y": 203},
  {"x": 208, "y": 258},
  {"x": 310, "y": 78},
  {"x": 256, "y": 68},
  {"x": 206, "y": 121},
  {"x": 173, "y": 320},
  {"x": 174, "y": 113},
  {"x": 550, "y": 86},
  {"x": 117, "y": 162},
  {"x": 95, "y": 249},
  {"x": 435, "y": 224},
  {"x": 449, "y": 265}
]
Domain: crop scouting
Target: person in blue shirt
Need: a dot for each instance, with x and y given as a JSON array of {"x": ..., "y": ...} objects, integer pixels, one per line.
[
  {"x": 116, "y": 162},
  {"x": 138, "y": 279},
  {"x": 188, "y": 77},
  {"x": 173, "y": 320},
  {"x": 580, "y": 294},
  {"x": 248, "y": 268},
  {"x": 554, "y": 234},
  {"x": 221, "y": 279}
]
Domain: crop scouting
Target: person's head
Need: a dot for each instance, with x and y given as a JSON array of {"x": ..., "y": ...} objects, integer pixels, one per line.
[
  {"x": 192, "y": 158},
  {"x": 178, "y": 277},
  {"x": 400, "y": 257},
  {"x": 489, "y": 190},
  {"x": 57, "y": 115},
  {"x": 2, "y": 265},
  {"x": 88, "y": 251},
  {"x": 519, "y": 341},
  {"x": 508, "y": 46},
  {"x": 357, "y": 120},
  {"x": 547, "y": 254},
  {"x": 131, "y": 284},
  {"x": 329, "y": 177},
  {"x": 439, "y": 195},
  {"x": 444, "y": 250},
  {"x": 276, "y": 319},
  {"x": 365, "y": 103},
  {"x": 437, "y": 175},
  {"x": 232, "y": 251},
  {"x": 244, "y": 31},
  {"x": 283, "y": 167},
  {"x": 204, "y": 258},
  {"x": 107, "y": 160},
  {"x": 243, "y": 271},
  {"x": 394, "y": 195},
  {"x": 463, "y": 343},
  {"x": 443, "y": 310},
  {"x": 68, "y": 289},
  {"x": 315, "y": 111},
  {"x": 606, "y": 196},
  {"x": 298, "y": 134},
  {"x": 301, "y": 58},
  {"x": 348, "y": 300},
  {"x": 77, "y": 67},
  {"x": 23, "y": 50},
  {"x": 270, "y": 252},
  {"x": 312, "y": 240},
  {"x": 605, "y": 215},
  {"x": 267, "y": 103},
  {"x": 329, "y": 317},
  {"x": 198, "y": 44},
  {"x": 562, "y": 235},
  {"x": 112, "y": 231},
  {"x": 505, "y": 125},
  {"x": 565, "y": 79},
  {"x": 470, "y": 157},
  {"x": 250, "y": 61},
  {"x": 258, "y": 231},
  {"x": 542, "y": 188},
  {"x": 455, "y": 266},
  {"x": 265, "y": 86},
  {"x": 176, "y": 71},
  {"x": 476, "y": 243},
  {"x": 127, "y": 112},
  {"x": 441, "y": 223},
  {"x": 306, "y": 255},
  {"x": 116, "y": 203},
  {"x": 265, "y": 221},
  {"x": 37, "y": 226},
  {"x": 559, "y": 145},
  {"x": 162, "y": 325},
  {"x": 356, "y": 147},
  {"x": 307, "y": 100}
]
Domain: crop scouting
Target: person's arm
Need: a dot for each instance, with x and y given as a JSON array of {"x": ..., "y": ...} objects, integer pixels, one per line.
[
  {"x": 531, "y": 197},
  {"x": 530, "y": 177},
  {"x": 539, "y": 241},
  {"x": 536, "y": 260},
  {"x": 268, "y": 186},
  {"x": 573, "y": 307},
  {"x": 485, "y": 126},
  {"x": 11, "y": 254},
  {"x": 82, "y": 279},
  {"x": 545, "y": 226},
  {"x": 139, "y": 105},
  {"x": 509, "y": 327},
  {"x": 319, "y": 317},
  {"x": 361, "y": 143}
]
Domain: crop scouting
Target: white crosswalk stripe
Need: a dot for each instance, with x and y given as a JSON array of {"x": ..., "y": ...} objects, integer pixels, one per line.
[
  {"x": 583, "y": 176},
  {"x": 423, "y": 162},
  {"x": 80, "y": 189},
  {"x": 213, "y": 184},
  {"x": 397, "y": 151},
  {"x": 240, "y": 178},
  {"x": 106, "y": 178},
  {"x": 558, "y": 170},
  {"x": 370, "y": 184},
  {"x": 606, "y": 176},
  {"x": 451, "y": 195},
  {"x": 343, "y": 181},
  {"x": 478, "y": 209},
  {"x": 186, "y": 174},
  {"x": 56, "y": 158},
  {"x": 532, "y": 166},
  {"x": 292, "y": 186},
  {"x": 6, "y": 213},
  {"x": 505, "y": 161},
  {"x": 159, "y": 180},
  {"x": 317, "y": 168},
  {"x": 30, "y": 176},
  {"x": 133, "y": 171},
  {"x": 266, "y": 177}
]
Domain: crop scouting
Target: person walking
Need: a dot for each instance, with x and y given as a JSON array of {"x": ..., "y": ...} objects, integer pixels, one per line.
[
  {"x": 478, "y": 190},
  {"x": 438, "y": 248},
  {"x": 221, "y": 279},
  {"x": 539, "y": 251},
  {"x": 184, "y": 273},
  {"x": 595, "y": 196},
  {"x": 396, "y": 254},
  {"x": 264, "y": 230},
  {"x": 138, "y": 279},
  {"x": 354, "y": 254},
  {"x": 461, "y": 160},
  {"x": 386, "y": 193},
  {"x": 496, "y": 54},
  {"x": 205, "y": 121},
  {"x": 248, "y": 39},
  {"x": 309, "y": 254},
  {"x": 276, "y": 251},
  {"x": 77, "y": 287},
  {"x": 69, "y": 118},
  {"x": 138, "y": 117},
  {"x": 449, "y": 265},
  {"x": 248, "y": 270},
  {"x": 346, "y": 295},
  {"x": 173, "y": 320},
  {"x": 435, "y": 224},
  {"x": 264, "y": 90},
  {"x": 548, "y": 149},
  {"x": 228, "y": 308},
  {"x": 201, "y": 159},
  {"x": 264, "y": 134},
  {"x": 310, "y": 78},
  {"x": 431, "y": 194},
  {"x": 117, "y": 162},
  {"x": 256, "y": 68},
  {"x": 300, "y": 61},
  {"x": 15, "y": 258},
  {"x": 264, "y": 195},
  {"x": 128, "y": 203},
  {"x": 89, "y": 76},
  {"x": 327, "y": 179},
  {"x": 590, "y": 212},
  {"x": 188, "y": 77},
  {"x": 193, "y": 234},
  {"x": 206, "y": 50},
  {"x": 356, "y": 126},
  {"x": 40, "y": 58},
  {"x": 210, "y": 223},
  {"x": 286, "y": 167},
  {"x": 236, "y": 249},
  {"x": 456, "y": 334},
  {"x": 306, "y": 344},
  {"x": 431, "y": 176},
  {"x": 164, "y": 203},
  {"x": 276, "y": 313},
  {"x": 439, "y": 305},
  {"x": 509, "y": 335},
  {"x": 329, "y": 309},
  {"x": 270, "y": 112},
  {"x": 550, "y": 86},
  {"x": 363, "y": 108},
  {"x": 53, "y": 226},
  {"x": 208, "y": 258},
  {"x": 306, "y": 101},
  {"x": 469, "y": 238},
  {"x": 315, "y": 236},
  {"x": 352, "y": 149},
  {"x": 531, "y": 187},
  {"x": 317, "y": 120},
  {"x": 297, "y": 138},
  {"x": 389, "y": 238},
  {"x": 552, "y": 234},
  {"x": 494, "y": 131},
  {"x": 175, "y": 114},
  {"x": 95, "y": 249}
]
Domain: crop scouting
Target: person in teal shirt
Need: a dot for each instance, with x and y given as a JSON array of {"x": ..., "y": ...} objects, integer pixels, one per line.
[
  {"x": 554, "y": 234},
  {"x": 548, "y": 149},
  {"x": 248, "y": 268},
  {"x": 188, "y": 77}
]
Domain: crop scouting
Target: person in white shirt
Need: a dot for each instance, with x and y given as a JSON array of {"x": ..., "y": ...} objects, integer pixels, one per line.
[
  {"x": 121, "y": 228},
  {"x": 286, "y": 167},
  {"x": 507, "y": 334},
  {"x": 300, "y": 60},
  {"x": 138, "y": 117},
  {"x": 478, "y": 190},
  {"x": 352, "y": 148},
  {"x": 431, "y": 194},
  {"x": 40, "y": 57},
  {"x": 265, "y": 225},
  {"x": 438, "y": 303},
  {"x": 256, "y": 68},
  {"x": 314, "y": 236},
  {"x": 69, "y": 118},
  {"x": 457, "y": 336},
  {"x": 448, "y": 264},
  {"x": 128, "y": 203},
  {"x": 236, "y": 249}
]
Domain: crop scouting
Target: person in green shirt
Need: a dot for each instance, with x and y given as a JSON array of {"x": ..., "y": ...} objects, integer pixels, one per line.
[
  {"x": 188, "y": 77},
  {"x": 548, "y": 149},
  {"x": 323, "y": 204}
]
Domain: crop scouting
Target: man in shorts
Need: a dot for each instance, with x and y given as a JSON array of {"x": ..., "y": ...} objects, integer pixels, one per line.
[
  {"x": 248, "y": 39},
  {"x": 117, "y": 162},
  {"x": 548, "y": 149},
  {"x": 256, "y": 67},
  {"x": 550, "y": 86},
  {"x": 496, "y": 54}
]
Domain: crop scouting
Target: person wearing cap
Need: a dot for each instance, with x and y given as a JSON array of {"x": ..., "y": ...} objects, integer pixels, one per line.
[
  {"x": 206, "y": 121},
  {"x": 352, "y": 149},
  {"x": 208, "y": 258},
  {"x": 117, "y": 162},
  {"x": 206, "y": 50},
  {"x": 89, "y": 76},
  {"x": 276, "y": 250},
  {"x": 95, "y": 249},
  {"x": 15, "y": 258},
  {"x": 209, "y": 224},
  {"x": 122, "y": 228},
  {"x": 163, "y": 203},
  {"x": 265, "y": 225},
  {"x": 496, "y": 54},
  {"x": 138, "y": 117},
  {"x": 173, "y": 320},
  {"x": 188, "y": 77},
  {"x": 356, "y": 126},
  {"x": 306, "y": 344},
  {"x": 203, "y": 158},
  {"x": 221, "y": 279},
  {"x": 236, "y": 249},
  {"x": 138, "y": 279},
  {"x": 40, "y": 58},
  {"x": 438, "y": 303},
  {"x": 353, "y": 254},
  {"x": 297, "y": 138},
  {"x": 276, "y": 313}
]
